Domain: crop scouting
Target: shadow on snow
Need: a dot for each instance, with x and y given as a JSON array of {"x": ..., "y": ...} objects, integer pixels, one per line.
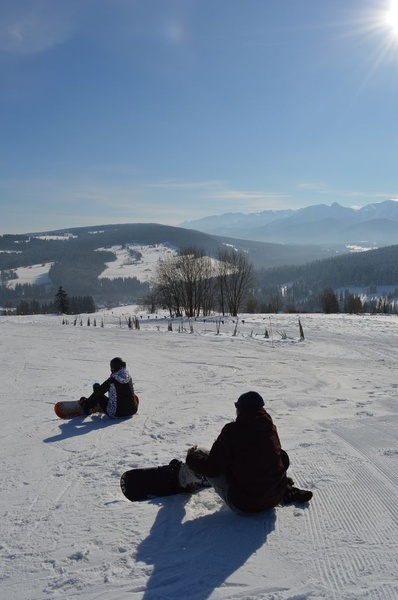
[
  {"x": 80, "y": 425},
  {"x": 192, "y": 559}
]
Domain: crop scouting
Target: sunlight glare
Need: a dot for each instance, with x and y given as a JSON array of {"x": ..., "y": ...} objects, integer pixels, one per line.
[{"x": 392, "y": 17}]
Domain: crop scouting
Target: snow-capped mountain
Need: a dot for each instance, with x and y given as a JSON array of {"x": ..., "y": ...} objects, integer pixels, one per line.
[{"x": 376, "y": 224}]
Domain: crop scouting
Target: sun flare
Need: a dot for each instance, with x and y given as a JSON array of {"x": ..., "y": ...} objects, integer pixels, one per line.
[{"x": 392, "y": 17}]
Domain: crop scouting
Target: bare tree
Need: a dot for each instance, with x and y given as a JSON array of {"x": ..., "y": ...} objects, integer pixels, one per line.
[
  {"x": 190, "y": 279},
  {"x": 166, "y": 286},
  {"x": 208, "y": 286},
  {"x": 223, "y": 271},
  {"x": 235, "y": 277},
  {"x": 151, "y": 300},
  {"x": 198, "y": 282},
  {"x": 192, "y": 283},
  {"x": 185, "y": 283}
]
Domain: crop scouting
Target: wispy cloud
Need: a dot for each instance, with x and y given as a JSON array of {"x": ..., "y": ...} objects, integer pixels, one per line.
[
  {"x": 133, "y": 200},
  {"x": 218, "y": 196},
  {"x": 34, "y": 26},
  {"x": 249, "y": 195},
  {"x": 365, "y": 195},
  {"x": 323, "y": 189},
  {"x": 78, "y": 200},
  {"x": 311, "y": 185},
  {"x": 178, "y": 184}
]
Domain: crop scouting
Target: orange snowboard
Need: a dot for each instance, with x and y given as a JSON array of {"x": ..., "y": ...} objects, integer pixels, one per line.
[
  {"x": 68, "y": 409},
  {"x": 71, "y": 408}
]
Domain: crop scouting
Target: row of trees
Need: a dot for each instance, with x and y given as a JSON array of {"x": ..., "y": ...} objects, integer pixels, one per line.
[
  {"x": 331, "y": 302},
  {"x": 359, "y": 269},
  {"x": 73, "y": 305},
  {"x": 192, "y": 284},
  {"x": 62, "y": 304},
  {"x": 119, "y": 290}
]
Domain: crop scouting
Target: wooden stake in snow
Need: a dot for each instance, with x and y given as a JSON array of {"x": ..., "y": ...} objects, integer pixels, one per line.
[
  {"x": 236, "y": 327},
  {"x": 301, "y": 331},
  {"x": 218, "y": 325}
]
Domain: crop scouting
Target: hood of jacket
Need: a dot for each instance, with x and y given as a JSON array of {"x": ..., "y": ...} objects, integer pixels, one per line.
[
  {"x": 122, "y": 375},
  {"x": 257, "y": 419}
]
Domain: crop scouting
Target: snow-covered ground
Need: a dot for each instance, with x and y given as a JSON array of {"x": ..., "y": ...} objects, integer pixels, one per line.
[
  {"x": 143, "y": 269},
  {"x": 124, "y": 264},
  {"x": 35, "y": 275},
  {"x": 66, "y": 530}
]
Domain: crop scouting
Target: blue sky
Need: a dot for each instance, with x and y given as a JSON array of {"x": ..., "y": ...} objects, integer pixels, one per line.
[{"x": 117, "y": 111}]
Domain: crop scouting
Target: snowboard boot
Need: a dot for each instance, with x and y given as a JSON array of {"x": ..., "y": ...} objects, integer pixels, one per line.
[
  {"x": 82, "y": 403},
  {"x": 183, "y": 478},
  {"x": 295, "y": 495},
  {"x": 173, "y": 472}
]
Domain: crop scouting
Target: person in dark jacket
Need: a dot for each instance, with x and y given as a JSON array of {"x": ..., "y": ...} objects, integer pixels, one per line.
[
  {"x": 246, "y": 464},
  {"x": 121, "y": 400}
]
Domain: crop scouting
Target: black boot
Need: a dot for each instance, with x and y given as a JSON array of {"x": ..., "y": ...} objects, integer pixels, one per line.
[
  {"x": 295, "y": 495},
  {"x": 82, "y": 403},
  {"x": 174, "y": 469}
]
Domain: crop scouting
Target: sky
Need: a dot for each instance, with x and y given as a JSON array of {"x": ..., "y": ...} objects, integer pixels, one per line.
[{"x": 165, "y": 111}]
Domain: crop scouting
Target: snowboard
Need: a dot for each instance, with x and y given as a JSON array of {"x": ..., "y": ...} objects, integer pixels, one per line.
[
  {"x": 71, "y": 408},
  {"x": 154, "y": 482},
  {"x": 68, "y": 409}
]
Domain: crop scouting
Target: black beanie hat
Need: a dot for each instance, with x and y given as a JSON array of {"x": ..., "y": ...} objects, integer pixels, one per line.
[
  {"x": 117, "y": 363},
  {"x": 249, "y": 401}
]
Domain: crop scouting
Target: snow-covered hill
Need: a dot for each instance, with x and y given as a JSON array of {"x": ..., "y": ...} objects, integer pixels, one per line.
[
  {"x": 123, "y": 266},
  {"x": 372, "y": 225},
  {"x": 143, "y": 268},
  {"x": 66, "y": 530}
]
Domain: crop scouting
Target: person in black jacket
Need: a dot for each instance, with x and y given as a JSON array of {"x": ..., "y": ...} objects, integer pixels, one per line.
[
  {"x": 121, "y": 400},
  {"x": 246, "y": 464}
]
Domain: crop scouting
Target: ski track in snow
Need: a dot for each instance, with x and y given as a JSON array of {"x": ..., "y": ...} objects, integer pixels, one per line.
[{"x": 67, "y": 531}]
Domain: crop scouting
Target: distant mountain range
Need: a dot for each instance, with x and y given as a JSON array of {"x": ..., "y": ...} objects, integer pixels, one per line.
[{"x": 373, "y": 225}]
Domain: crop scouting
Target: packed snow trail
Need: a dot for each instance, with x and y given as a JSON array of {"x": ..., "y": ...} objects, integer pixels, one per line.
[{"x": 68, "y": 532}]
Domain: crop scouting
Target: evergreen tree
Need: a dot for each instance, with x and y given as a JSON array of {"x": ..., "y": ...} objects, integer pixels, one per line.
[
  {"x": 329, "y": 301},
  {"x": 352, "y": 303},
  {"x": 61, "y": 300}
]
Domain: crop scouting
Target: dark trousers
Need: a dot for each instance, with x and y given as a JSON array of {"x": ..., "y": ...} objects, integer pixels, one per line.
[{"x": 95, "y": 400}]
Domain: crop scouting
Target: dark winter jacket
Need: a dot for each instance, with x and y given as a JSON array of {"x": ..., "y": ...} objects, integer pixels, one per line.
[
  {"x": 121, "y": 400},
  {"x": 248, "y": 452}
]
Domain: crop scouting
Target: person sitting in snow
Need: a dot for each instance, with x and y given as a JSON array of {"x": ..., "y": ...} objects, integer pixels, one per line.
[
  {"x": 120, "y": 401},
  {"x": 246, "y": 464}
]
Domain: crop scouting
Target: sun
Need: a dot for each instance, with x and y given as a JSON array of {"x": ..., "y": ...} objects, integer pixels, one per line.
[{"x": 392, "y": 16}]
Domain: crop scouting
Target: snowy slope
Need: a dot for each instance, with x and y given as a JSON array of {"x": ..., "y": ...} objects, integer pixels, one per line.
[
  {"x": 124, "y": 264},
  {"x": 144, "y": 268},
  {"x": 35, "y": 275},
  {"x": 66, "y": 531}
]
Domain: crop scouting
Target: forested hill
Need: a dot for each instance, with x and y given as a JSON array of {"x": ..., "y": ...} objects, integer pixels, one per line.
[
  {"x": 371, "y": 268},
  {"x": 77, "y": 245},
  {"x": 77, "y": 259}
]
